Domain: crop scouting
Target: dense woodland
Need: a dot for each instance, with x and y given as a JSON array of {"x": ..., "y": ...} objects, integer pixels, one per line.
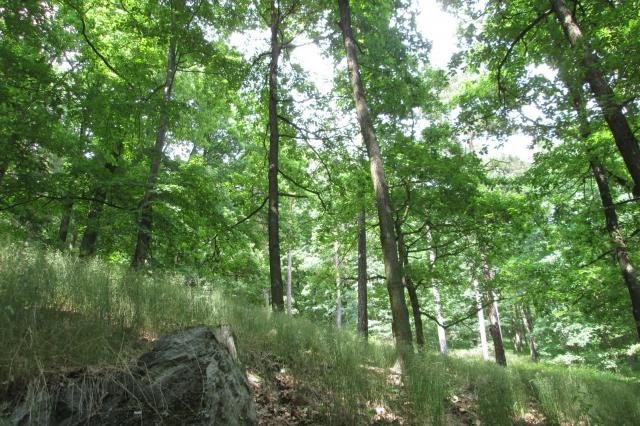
[{"x": 181, "y": 137}]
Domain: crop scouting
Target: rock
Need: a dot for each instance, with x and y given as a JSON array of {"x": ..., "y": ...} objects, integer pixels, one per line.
[{"x": 189, "y": 377}]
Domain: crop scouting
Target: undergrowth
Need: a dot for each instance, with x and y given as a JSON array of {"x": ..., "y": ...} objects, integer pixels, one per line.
[{"x": 59, "y": 312}]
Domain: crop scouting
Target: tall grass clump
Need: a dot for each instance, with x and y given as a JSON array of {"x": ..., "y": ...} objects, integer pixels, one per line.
[{"x": 427, "y": 387}]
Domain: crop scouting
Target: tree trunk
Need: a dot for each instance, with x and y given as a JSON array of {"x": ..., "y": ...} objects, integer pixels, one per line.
[
  {"x": 496, "y": 331},
  {"x": 518, "y": 332},
  {"x": 403, "y": 255},
  {"x": 273, "y": 216},
  {"x": 435, "y": 292},
  {"x": 145, "y": 210},
  {"x": 627, "y": 268},
  {"x": 289, "y": 282},
  {"x": 494, "y": 316},
  {"x": 90, "y": 236},
  {"x": 65, "y": 220},
  {"x": 399, "y": 312},
  {"x": 481, "y": 323},
  {"x": 528, "y": 326},
  {"x": 336, "y": 264},
  {"x": 625, "y": 140},
  {"x": 363, "y": 318},
  {"x": 442, "y": 332}
]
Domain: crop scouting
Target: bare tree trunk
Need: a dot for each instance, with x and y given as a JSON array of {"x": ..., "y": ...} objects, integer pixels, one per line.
[
  {"x": 625, "y": 140},
  {"x": 145, "y": 210},
  {"x": 393, "y": 270},
  {"x": 442, "y": 332},
  {"x": 265, "y": 294},
  {"x": 273, "y": 216},
  {"x": 403, "y": 255},
  {"x": 336, "y": 265},
  {"x": 435, "y": 292},
  {"x": 289, "y": 282},
  {"x": 65, "y": 221},
  {"x": 481, "y": 323},
  {"x": 528, "y": 326},
  {"x": 496, "y": 331},
  {"x": 363, "y": 317}
]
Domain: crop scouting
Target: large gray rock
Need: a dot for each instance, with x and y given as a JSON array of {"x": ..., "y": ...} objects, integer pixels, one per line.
[{"x": 190, "y": 377}]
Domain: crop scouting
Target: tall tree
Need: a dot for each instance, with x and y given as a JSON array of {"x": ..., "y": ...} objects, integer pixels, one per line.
[{"x": 393, "y": 270}]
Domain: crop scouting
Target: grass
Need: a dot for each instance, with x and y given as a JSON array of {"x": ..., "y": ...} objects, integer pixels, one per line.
[{"x": 59, "y": 312}]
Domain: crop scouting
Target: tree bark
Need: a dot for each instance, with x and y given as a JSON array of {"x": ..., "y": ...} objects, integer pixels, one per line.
[
  {"x": 496, "y": 331},
  {"x": 289, "y": 282},
  {"x": 435, "y": 292},
  {"x": 494, "y": 316},
  {"x": 336, "y": 265},
  {"x": 65, "y": 221},
  {"x": 403, "y": 255},
  {"x": 273, "y": 216},
  {"x": 399, "y": 312},
  {"x": 519, "y": 337},
  {"x": 90, "y": 235},
  {"x": 145, "y": 210},
  {"x": 363, "y": 316},
  {"x": 625, "y": 140},
  {"x": 627, "y": 268},
  {"x": 481, "y": 322},
  {"x": 528, "y": 326}
]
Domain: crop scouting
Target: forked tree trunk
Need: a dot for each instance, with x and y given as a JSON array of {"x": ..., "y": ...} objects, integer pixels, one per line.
[
  {"x": 145, "y": 210},
  {"x": 393, "y": 270},
  {"x": 90, "y": 235},
  {"x": 363, "y": 316},
  {"x": 289, "y": 282},
  {"x": 336, "y": 265},
  {"x": 273, "y": 215},
  {"x": 481, "y": 322},
  {"x": 528, "y": 326},
  {"x": 625, "y": 140}
]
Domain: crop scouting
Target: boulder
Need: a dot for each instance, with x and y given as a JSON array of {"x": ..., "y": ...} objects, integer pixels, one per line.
[{"x": 189, "y": 377}]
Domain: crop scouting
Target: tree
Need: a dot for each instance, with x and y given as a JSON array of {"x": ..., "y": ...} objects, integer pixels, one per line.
[{"x": 400, "y": 314}]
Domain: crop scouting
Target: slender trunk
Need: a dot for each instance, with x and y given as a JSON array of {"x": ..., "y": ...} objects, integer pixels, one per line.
[
  {"x": 289, "y": 282},
  {"x": 528, "y": 326},
  {"x": 494, "y": 316},
  {"x": 496, "y": 331},
  {"x": 273, "y": 216},
  {"x": 625, "y": 140},
  {"x": 265, "y": 295},
  {"x": 518, "y": 332},
  {"x": 403, "y": 255},
  {"x": 363, "y": 318},
  {"x": 145, "y": 210},
  {"x": 481, "y": 323},
  {"x": 90, "y": 236},
  {"x": 442, "y": 332},
  {"x": 435, "y": 292},
  {"x": 399, "y": 312},
  {"x": 65, "y": 220},
  {"x": 627, "y": 268},
  {"x": 336, "y": 265}
]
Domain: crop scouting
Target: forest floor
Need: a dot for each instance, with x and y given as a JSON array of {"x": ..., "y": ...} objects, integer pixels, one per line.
[{"x": 59, "y": 313}]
